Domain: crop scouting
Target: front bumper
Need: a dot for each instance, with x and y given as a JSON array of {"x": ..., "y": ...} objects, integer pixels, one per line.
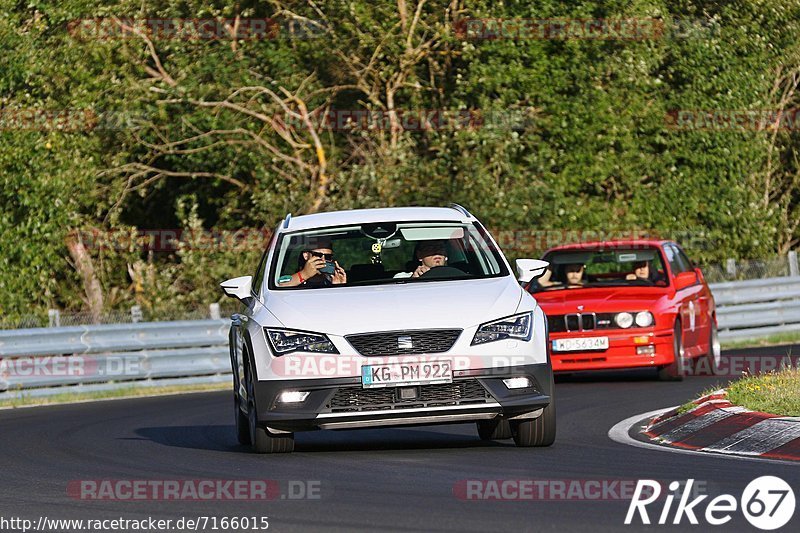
[
  {"x": 621, "y": 352},
  {"x": 338, "y": 403}
]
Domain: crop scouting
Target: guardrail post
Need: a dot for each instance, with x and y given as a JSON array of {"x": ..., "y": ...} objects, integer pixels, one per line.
[
  {"x": 794, "y": 271},
  {"x": 213, "y": 311},
  {"x": 53, "y": 318},
  {"x": 730, "y": 267},
  {"x": 136, "y": 313}
]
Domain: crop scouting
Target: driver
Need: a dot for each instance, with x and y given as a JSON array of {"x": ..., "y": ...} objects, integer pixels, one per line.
[
  {"x": 641, "y": 270},
  {"x": 430, "y": 254},
  {"x": 574, "y": 274}
]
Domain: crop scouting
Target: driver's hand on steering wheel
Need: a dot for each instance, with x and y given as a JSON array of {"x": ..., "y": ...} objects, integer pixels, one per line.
[{"x": 420, "y": 271}]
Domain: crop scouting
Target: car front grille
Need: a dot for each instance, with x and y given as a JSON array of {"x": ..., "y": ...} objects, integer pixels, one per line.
[
  {"x": 580, "y": 322},
  {"x": 404, "y": 342},
  {"x": 467, "y": 391}
]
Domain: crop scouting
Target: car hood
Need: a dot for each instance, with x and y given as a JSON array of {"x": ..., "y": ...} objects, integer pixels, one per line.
[
  {"x": 601, "y": 299},
  {"x": 422, "y": 305}
]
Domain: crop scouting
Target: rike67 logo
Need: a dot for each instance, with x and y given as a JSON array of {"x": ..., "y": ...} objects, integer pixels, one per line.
[{"x": 767, "y": 503}]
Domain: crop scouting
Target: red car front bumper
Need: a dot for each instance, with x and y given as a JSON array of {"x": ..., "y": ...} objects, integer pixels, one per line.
[{"x": 621, "y": 352}]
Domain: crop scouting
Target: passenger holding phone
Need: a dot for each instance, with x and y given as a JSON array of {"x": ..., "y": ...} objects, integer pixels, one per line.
[{"x": 316, "y": 268}]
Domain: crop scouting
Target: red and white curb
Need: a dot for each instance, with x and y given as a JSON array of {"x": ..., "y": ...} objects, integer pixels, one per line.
[{"x": 715, "y": 425}]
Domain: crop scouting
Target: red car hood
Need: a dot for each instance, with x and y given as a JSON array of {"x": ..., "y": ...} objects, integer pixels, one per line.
[{"x": 601, "y": 299}]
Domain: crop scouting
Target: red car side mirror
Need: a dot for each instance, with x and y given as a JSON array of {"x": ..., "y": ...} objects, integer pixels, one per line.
[{"x": 684, "y": 279}]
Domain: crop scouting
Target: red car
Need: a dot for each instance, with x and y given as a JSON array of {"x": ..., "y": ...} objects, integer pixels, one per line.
[{"x": 627, "y": 304}]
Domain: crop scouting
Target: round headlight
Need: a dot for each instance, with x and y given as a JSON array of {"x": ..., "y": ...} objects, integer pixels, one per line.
[
  {"x": 624, "y": 320},
  {"x": 644, "y": 319}
]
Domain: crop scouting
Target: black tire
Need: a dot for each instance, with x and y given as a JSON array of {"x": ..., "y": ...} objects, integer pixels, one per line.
[
  {"x": 242, "y": 424},
  {"x": 261, "y": 440},
  {"x": 677, "y": 369},
  {"x": 714, "y": 355},
  {"x": 494, "y": 429},
  {"x": 539, "y": 431}
]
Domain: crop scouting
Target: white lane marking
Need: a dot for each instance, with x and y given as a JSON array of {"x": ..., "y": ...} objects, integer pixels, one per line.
[
  {"x": 619, "y": 434},
  {"x": 759, "y": 438},
  {"x": 696, "y": 424}
]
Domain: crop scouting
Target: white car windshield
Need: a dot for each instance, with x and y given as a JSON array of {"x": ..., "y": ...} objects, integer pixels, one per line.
[{"x": 388, "y": 252}]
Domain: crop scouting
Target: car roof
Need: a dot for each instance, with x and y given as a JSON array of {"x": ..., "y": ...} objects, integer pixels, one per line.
[
  {"x": 618, "y": 243},
  {"x": 366, "y": 216}
]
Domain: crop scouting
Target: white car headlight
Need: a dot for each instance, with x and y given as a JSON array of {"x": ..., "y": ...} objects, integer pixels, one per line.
[
  {"x": 644, "y": 319},
  {"x": 285, "y": 341},
  {"x": 512, "y": 327},
  {"x": 624, "y": 320}
]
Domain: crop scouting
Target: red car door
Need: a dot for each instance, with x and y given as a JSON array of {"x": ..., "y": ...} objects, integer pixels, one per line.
[{"x": 687, "y": 295}]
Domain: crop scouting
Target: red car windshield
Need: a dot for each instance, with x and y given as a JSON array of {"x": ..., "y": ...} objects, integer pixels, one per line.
[{"x": 573, "y": 269}]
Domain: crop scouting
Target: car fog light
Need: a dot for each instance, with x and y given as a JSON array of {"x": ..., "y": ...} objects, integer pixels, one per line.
[
  {"x": 645, "y": 350},
  {"x": 517, "y": 383},
  {"x": 293, "y": 396}
]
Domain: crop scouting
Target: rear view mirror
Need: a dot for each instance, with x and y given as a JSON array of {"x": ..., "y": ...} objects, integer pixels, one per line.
[
  {"x": 240, "y": 287},
  {"x": 528, "y": 269}
]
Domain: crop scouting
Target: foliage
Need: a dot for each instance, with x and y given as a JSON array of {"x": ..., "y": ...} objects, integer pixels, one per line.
[{"x": 222, "y": 133}]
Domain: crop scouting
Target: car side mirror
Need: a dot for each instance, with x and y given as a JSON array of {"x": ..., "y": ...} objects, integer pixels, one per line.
[
  {"x": 685, "y": 279},
  {"x": 240, "y": 287},
  {"x": 529, "y": 269}
]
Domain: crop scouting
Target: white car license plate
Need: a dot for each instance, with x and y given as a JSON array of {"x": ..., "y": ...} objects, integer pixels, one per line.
[
  {"x": 411, "y": 373},
  {"x": 580, "y": 344}
]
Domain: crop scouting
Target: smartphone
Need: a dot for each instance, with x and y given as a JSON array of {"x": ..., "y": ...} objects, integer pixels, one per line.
[{"x": 329, "y": 268}]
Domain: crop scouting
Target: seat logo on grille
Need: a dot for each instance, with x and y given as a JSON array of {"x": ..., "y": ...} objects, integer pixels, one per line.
[{"x": 404, "y": 342}]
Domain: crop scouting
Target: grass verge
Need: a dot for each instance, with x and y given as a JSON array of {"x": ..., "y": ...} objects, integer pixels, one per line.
[
  {"x": 776, "y": 393},
  {"x": 792, "y": 337},
  {"x": 126, "y": 392}
]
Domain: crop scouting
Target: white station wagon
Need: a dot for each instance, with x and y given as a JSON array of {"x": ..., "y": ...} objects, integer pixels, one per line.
[{"x": 388, "y": 317}]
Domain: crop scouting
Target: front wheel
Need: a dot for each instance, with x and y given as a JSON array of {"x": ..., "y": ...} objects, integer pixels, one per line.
[
  {"x": 495, "y": 429},
  {"x": 242, "y": 423},
  {"x": 261, "y": 440},
  {"x": 539, "y": 431},
  {"x": 677, "y": 369}
]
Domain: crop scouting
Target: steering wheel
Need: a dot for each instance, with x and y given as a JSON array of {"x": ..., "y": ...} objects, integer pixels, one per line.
[{"x": 443, "y": 272}]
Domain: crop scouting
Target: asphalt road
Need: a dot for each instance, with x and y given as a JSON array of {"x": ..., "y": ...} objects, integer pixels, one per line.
[{"x": 392, "y": 479}]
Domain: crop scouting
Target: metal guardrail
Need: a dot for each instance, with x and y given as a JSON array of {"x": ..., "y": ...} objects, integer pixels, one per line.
[
  {"x": 757, "y": 308},
  {"x": 45, "y": 361}
]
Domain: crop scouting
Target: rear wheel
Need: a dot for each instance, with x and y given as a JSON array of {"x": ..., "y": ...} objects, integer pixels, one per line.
[
  {"x": 675, "y": 370},
  {"x": 261, "y": 440},
  {"x": 539, "y": 431},
  {"x": 495, "y": 429}
]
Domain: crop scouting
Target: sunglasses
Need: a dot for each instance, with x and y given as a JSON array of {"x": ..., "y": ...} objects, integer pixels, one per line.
[{"x": 326, "y": 257}]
